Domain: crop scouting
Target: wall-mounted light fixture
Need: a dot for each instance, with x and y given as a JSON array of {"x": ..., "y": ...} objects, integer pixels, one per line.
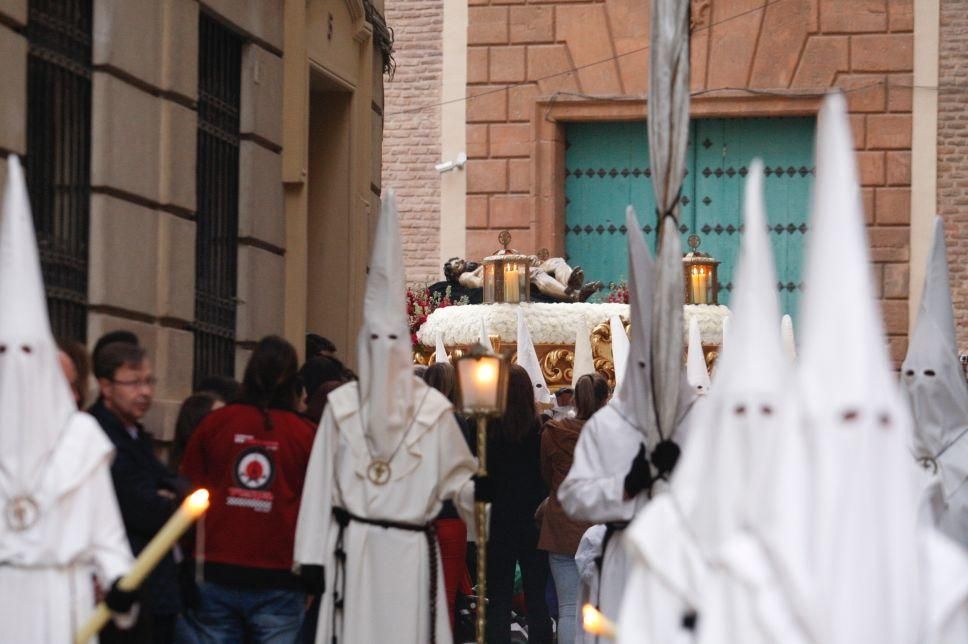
[{"x": 447, "y": 166}]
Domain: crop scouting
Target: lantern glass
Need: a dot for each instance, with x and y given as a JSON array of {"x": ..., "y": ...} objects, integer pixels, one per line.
[
  {"x": 488, "y": 283},
  {"x": 482, "y": 383},
  {"x": 699, "y": 271},
  {"x": 701, "y": 284}
]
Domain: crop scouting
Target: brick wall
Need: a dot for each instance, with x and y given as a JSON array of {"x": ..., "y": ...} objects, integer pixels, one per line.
[
  {"x": 525, "y": 53},
  {"x": 953, "y": 153},
  {"x": 411, "y": 140}
]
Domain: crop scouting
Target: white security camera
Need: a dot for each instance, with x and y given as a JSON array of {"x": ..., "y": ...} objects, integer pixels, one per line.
[{"x": 447, "y": 166}]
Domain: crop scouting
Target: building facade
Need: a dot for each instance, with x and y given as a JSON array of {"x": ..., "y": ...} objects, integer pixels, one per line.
[
  {"x": 551, "y": 112},
  {"x": 168, "y": 153}
]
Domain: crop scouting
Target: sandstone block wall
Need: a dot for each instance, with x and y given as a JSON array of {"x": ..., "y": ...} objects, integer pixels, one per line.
[
  {"x": 411, "y": 138},
  {"x": 953, "y": 153},
  {"x": 143, "y": 173}
]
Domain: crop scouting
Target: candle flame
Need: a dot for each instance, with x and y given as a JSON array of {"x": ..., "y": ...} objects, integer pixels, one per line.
[
  {"x": 486, "y": 372},
  {"x": 198, "y": 502},
  {"x": 595, "y": 623}
]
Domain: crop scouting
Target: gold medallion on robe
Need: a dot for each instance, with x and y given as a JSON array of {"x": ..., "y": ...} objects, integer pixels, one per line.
[{"x": 378, "y": 472}]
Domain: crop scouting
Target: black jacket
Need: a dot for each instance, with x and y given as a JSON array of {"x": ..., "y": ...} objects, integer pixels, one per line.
[
  {"x": 138, "y": 475},
  {"x": 515, "y": 469}
]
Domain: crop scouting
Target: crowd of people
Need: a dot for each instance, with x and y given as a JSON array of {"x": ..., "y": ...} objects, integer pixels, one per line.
[{"x": 248, "y": 443}]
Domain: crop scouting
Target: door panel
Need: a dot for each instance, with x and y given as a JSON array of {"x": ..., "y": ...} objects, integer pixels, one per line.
[{"x": 606, "y": 168}]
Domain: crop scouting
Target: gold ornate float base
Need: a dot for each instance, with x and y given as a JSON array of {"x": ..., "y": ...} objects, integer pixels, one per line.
[{"x": 558, "y": 360}]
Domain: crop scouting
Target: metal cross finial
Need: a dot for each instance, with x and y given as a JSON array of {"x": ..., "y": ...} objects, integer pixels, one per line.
[
  {"x": 505, "y": 238},
  {"x": 693, "y": 242}
]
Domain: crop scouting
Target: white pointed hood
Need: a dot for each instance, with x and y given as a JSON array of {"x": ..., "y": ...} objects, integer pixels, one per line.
[
  {"x": 620, "y": 349},
  {"x": 732, "y": 430},
  {"x": 696, "y": 371},
  {"x": 528, "y": 358},
  {"x": 725, "y": 340},
  {"x": 440, "y": 354},
  {"x": 935, "y": 384},
  {"x": 635, "y": 399},
  {"x": 584, "y": 362},
  {"x": 789, "y": 338},
  {"x": 35, "y": 398},
  {"x": 864, "y": 487},
  {"x": 383, "y": 345},
  {"x": 485, "y": 340}
]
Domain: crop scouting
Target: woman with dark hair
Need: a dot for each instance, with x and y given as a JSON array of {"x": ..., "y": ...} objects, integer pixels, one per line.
[
  {"x": 252, "y": 457},
  {"x": 451, "y": 530},
  {"x": 559, "y": 534},
  {"x": 513, "y": 447},
  {"x": 320, "y": 376},
  {"x": 191, "y": 413}
]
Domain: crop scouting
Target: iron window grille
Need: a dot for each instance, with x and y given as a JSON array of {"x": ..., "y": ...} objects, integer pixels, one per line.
[
  {"x": 59, "y": 34},
  {"x": 217, "y": 185}
]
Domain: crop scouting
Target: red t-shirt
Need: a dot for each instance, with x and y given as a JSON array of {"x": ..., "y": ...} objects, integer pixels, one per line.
[{"x": 255, "y": 476}]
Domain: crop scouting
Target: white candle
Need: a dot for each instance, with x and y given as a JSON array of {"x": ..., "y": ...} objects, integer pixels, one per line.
[
  {"x": 511, "y": 290},
  {"x": 189, "y": 511}
]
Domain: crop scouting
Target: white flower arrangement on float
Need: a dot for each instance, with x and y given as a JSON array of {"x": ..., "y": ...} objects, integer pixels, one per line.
[{"x": 548, "y": 323}]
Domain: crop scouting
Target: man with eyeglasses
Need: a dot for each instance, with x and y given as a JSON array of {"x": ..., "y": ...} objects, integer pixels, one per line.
[{"x": 148, "y": 493}]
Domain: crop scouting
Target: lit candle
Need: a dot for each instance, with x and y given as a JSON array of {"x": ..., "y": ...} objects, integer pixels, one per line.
[
  {"x": 595, "y": 623},
  {"x": 189, "y": 511},
  {"x": 697, "y": 285},
  {"x": 511, "y": 289}
]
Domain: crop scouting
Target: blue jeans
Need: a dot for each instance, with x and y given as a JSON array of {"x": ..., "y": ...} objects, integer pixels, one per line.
[
  {"x": 565, "y": 573},
  {"x": 228, "y": 615}
]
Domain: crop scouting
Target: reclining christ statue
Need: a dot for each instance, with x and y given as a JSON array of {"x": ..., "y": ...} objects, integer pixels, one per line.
[{"x": 551, "y": 276}]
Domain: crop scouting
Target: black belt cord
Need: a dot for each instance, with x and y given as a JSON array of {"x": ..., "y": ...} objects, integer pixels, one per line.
[{"x": 343, "y": 518}]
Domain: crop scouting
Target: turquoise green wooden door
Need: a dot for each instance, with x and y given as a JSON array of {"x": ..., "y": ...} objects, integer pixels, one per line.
[{"x": 606, "y": 167}]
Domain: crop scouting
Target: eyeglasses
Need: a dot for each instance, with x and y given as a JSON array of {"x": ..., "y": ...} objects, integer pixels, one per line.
[{"x": 150, "y": 381}]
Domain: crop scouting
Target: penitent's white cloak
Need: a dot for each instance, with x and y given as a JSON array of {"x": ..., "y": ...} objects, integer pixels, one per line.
[
  {"x": 387, "y": 572},
  {"x": 47, "y": 571}
]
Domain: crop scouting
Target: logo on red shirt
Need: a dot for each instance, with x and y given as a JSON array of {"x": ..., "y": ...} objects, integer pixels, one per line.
[{"x": 254, "y": 469}]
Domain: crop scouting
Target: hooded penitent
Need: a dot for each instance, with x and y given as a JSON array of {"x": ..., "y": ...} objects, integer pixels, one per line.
[
  {"x": 440, "y": 355},
  {"x": 528, "y": 358},
  {"x": 383, "y": 345},
  {"x": 752, "y": 379},
  {"x": 862, "y": 486},
  {"x": 60, "y": 521},
  {"x": 485, "y": 340},
  {"x": 696, "y": 371},
  {"x": 935, "y": 384},
  {"x": 678, "y": 533},
  {"x": 620, "y": 349},
  {"x": 789, "y": 339},
  {"x": 35, "y": 398},
  {"x": 584, "y": 362},
  {"x": 634, "y": 399}
]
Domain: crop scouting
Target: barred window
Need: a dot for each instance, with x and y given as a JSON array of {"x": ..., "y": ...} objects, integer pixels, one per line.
[
  {"x": 59, "y": 153},
  {"x": 217, "y": 185}
]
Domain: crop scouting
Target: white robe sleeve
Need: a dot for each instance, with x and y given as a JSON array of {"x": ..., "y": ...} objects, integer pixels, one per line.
[
  {"x": 316, "y": 505},
  {"x": 110, "y": 548},
  {"x": 594, "y": 489},
  {"x": 457, "y": 466}
]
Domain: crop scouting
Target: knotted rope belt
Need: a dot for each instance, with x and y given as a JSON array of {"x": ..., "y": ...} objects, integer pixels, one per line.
[{"x": 343, "y": 518}]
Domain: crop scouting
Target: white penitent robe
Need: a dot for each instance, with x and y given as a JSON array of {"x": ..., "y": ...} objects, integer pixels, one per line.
[
  {"x": 594, "y": 490},
  {"x": 586, "y": 560},
  {"x": 386, "y": 585},
  {"x": 47, "y": 571}
]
